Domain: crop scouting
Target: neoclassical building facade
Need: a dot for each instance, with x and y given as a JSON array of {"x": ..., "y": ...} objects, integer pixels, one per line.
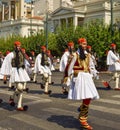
[
  {"x": 84, "y": 11},
  {"x": 19, "y": 17}
]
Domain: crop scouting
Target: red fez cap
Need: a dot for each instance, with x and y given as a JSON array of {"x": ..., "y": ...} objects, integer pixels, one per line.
[
  {"x": 82, "y": 40},
  {"x": 113, "y": 44},
  {"x": 88, "y": 47},
  {"x": 17, "y": 43},
  {"x": 70, "y": 44},
  {"x": 43, "y": 47}
]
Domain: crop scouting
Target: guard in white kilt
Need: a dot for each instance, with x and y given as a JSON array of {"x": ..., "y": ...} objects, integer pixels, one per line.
[
  {"x": 93, "y": 63},
  {"x": 42, "y": 67},
  {"x": 31, "y": 71},
  {"x": 6, "y": 77},
  {"x": 51, "y": 67},
  {"x": 82, "y": 86},
  {"x": 64, "y": 64},
  {"x": 13, "y": 65},
  {"x": 113, "y": 63},
  {"x": 1, "y": 61},
  {"x": 27, "y": 63}
]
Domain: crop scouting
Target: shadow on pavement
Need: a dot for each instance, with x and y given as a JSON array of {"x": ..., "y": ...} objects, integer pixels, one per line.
[
  {"x": 58, "y": 95},
  {"x": 36, "y": 91},
  {"x": 103, "y": 88},
  {"x": 3, "y": 87},
  {"x": 6, "y": 106},
  {"x": 65, "y": 121},
  {"x": 56, "y": 85}
]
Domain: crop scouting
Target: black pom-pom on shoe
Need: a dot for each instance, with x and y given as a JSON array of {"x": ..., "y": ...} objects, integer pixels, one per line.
[
  {"x": 42, "y": 86},
  {"x": 25, "y": 108},
  {"x": 26, "y": 90},
  {"x": 11, "y": 102},
  {"x": 48, "y": 93},
  {"x": 5, "y": 82}
]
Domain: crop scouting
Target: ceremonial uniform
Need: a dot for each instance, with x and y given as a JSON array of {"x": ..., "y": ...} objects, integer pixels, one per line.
[
  {"x": 113, "y": 63},
  {"x": 13, "y": 65},
  {"x": 1, "y": 61},
  {"x": 64, "y": 64},
  {"x": 32, "y": 58},
  {"x": 82, "y": 86},
  {"x": 92, "y": 67},
  {"x": 5, "y": 77},
  {"x": 42, "y": 67},
  {"x": 51, "y": 67}
]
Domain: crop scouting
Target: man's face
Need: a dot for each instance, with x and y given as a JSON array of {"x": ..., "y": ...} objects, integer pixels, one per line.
[
  {"x": 43, "y": 50},
  {"x": 114, "y": 47},
  {"x": 33, "y": 53},
  {"x": 18, "y": 47},
  {"x": 72, "y": 47},
  {"x": 84, "y": 45},
  {"x": 90, "y": 49}
]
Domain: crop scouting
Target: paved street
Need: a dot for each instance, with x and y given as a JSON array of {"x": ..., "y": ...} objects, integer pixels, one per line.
[{"x": 56, "y": 112}]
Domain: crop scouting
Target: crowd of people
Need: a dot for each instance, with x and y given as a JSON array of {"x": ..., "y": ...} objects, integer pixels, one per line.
[
  {"x": 19, "y": 68},
  {"x": 78, "y": 68}
]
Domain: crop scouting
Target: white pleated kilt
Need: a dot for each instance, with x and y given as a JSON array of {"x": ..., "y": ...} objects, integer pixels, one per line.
[
  {"x": 45, "y": 69},
  {"x": 52, "y": 68},
  {"x": 114, "y": 67},
  {"x": 82, "y": 87},
  {"x": 19, "y": 75},
  {"x": 1, "y": 76},
  {"x": 29, "y": 70}
]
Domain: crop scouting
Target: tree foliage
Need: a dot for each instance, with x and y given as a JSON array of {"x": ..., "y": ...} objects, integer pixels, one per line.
[{"x": 98, "y": 35}]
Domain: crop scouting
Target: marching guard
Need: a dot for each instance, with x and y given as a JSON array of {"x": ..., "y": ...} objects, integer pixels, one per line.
[
  {"x": 82, "y": 86},
  {"x": 64, "y": 64},
  {"x": 1, "y": 61},
  {"x": 42, "y": 67},
  {"x": 13, "y": 65},
  {"x": 113, "y": 63},
  {"x": 32, "y": 58},
  {"x": 93, "y": 70},
  {"x": 51, "y": 67}
]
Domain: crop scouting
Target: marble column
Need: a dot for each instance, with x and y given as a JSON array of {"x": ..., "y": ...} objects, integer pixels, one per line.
[
  {"x": 3, "y": 10},
  {"x": 75, "y": 21},
  {"x": 9, "y": 12},
  {"x": 16, "y": 11},
  {"x": 59, "y": 22}
]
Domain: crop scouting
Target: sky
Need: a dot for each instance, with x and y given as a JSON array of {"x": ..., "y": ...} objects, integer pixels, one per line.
[{"x": 28, "y": 0}]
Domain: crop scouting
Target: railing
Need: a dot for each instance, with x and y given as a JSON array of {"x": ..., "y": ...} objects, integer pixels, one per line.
[{"x": 9, "y": 22}]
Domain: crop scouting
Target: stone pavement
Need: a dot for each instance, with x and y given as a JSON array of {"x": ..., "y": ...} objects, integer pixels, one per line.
[{"x": 56, "y": 112}]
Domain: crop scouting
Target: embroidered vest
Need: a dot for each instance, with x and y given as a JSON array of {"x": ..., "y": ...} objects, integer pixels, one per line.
[
  {"x": 19, "y": 59},
  {"x": 81, "y": 65}
]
